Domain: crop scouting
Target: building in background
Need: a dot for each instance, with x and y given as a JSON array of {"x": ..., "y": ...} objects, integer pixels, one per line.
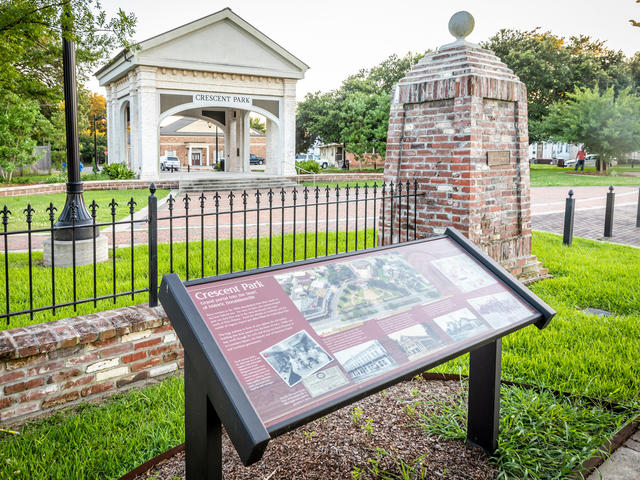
[
  {"x": 195, "y": 142},
  {"x": 218, "y": 69}
]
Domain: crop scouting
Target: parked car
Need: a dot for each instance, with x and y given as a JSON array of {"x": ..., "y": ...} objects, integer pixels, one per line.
[
  {"x": 302, "y": 157},
  {"x": 255, "y": 160},
  {"x": 169, "y": 163}
]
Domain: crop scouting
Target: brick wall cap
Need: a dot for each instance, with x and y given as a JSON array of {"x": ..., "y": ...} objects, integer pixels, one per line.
[{"x": 43, "y": 337}]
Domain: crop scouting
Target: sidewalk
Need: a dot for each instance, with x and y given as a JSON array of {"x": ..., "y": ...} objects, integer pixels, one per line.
[
  {"x": 624, "y": 464},
  {"x": 548, "y": 204}
]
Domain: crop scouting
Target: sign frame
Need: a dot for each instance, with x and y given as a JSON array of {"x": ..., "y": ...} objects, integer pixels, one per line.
[{"x": 214, "y": 395}]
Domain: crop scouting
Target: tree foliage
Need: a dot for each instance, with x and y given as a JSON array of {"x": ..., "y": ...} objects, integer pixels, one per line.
[
  {"x": 552, "y": 66},
  {"x": 31, "y": 47},
  {"x": 606, "y": 123},
  {"x": 20, "y": 122},
  {"x": 357, "y": 113}
]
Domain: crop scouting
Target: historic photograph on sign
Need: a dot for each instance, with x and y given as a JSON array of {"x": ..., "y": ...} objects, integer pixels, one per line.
[
  {"x": 500, "y": 309},
  {"x": 417, "y": 341},
  {"x": 461, "y": 324},
  {"x": 464, "y": 272},
  {"x": 324, "y": 381},
  {"x": 365, "y": 361},
  {"x": 336, "y": 296},
  {"x": 296, "y": 357}
]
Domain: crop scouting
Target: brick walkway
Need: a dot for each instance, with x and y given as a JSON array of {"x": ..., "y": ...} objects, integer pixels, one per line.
[{"x": 548, "y": 213}]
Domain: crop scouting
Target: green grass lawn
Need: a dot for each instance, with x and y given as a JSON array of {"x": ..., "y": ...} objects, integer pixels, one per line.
[
  {"x": 542, "y": 436},
  {"x": 579, "y": 352},
  {"x": 42, "y": 290},
  {"x": 552, "y": 176},
  {"x": 40, "y": 203}
]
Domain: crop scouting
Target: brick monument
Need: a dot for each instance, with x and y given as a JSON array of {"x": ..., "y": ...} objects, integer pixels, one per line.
[{"x": 458, "y": 127}]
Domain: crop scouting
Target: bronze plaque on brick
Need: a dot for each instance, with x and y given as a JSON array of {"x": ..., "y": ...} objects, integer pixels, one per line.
[{"x": 498, "y": 157}]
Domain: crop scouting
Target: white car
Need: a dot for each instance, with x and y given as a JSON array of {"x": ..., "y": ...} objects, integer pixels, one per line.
[
  {"x": 169, "y": 163},
  {"x": 301, "y": 157}
]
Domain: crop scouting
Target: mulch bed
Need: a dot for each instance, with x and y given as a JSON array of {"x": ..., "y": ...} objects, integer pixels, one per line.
[{"x": 334, "y": 446}]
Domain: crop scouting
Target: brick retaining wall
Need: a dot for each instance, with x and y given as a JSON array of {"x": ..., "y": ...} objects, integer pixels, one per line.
[
  {"x": 93, "y": 185},
  {"x": 55, "y": 365}
]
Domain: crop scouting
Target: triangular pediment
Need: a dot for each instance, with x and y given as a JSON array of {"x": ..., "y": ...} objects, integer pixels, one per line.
[{"x": 221, "y": 42}]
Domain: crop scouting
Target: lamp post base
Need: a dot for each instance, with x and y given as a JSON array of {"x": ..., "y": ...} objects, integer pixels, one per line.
[{"x": 63, "y": 252}]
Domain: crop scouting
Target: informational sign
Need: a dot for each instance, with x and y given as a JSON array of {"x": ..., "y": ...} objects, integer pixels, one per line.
[
  {"x": 498, "y": 157},
  {"x": 225, "y": 99},
  {"x": 276, "y": 348},
  {"x": 299, "y": 337}
]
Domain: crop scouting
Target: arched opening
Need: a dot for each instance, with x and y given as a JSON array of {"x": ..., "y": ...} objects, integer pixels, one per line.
[
  {"x": 212, "y": 136},
  {"x": 197, "y": 141}
]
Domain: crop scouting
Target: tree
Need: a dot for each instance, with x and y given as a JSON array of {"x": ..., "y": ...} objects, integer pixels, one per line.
[
  {"x": 31, "y": 47},
  {"x": 606, "y": 123},
  {"x": 20, "y": 121},
  {"x": 257, "y": 124},
  {"x": 635, "y": 23},
  {"x": 357, "y": 113},
  {"x": 552, "y": 66}
]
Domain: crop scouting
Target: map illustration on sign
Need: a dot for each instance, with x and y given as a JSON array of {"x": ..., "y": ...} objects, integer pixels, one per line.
[
  {"x": 334, "y": 297},
  {"x": 296, "y": 357}
]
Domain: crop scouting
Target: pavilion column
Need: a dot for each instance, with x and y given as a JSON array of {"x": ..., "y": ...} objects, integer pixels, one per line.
[
  {"x": 112, "y": 122},
  {"x": 233, "y": 143},
  {"x": 134, "y": 124},
  {"x": 271, "y": 160},
  {"x": 246, "y": 137},
  {"x": 148, "y": 114},
  {"x": 288, "y": 129}
]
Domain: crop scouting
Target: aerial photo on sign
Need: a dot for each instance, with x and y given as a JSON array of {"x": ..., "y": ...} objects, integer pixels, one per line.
[{"x": 334, "y": 297}]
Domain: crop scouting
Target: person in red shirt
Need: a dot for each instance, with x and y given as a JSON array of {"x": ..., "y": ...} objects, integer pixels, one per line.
[{"x": 580, "y": 157}]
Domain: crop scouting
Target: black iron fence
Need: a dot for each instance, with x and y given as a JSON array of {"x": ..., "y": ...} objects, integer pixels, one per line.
[{"x": 194, "y": 235}]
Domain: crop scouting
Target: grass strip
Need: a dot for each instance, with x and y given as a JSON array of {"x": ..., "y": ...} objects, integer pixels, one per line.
[
  {"x": 541, "y": 436},
  {"x": 552, "y": 176}
]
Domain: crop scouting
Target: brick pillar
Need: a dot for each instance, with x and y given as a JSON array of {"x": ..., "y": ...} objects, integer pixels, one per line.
[{"x": 458, "y": 125}]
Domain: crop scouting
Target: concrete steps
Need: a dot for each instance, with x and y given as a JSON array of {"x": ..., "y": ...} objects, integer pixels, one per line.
[{"x": 234, "y": 183}]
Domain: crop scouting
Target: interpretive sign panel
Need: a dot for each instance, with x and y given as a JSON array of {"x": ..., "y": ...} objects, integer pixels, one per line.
[{"x": 303, "y": 340}]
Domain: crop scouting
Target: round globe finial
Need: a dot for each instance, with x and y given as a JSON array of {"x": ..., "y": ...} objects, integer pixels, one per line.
[{"x": 461, "y": 24}]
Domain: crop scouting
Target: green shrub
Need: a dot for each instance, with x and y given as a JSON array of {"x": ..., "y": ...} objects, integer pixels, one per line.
[
  {"x": 56, "y": 178},
  {"x": 309, "y": 166},
  {"x": 118, "y": 171}
]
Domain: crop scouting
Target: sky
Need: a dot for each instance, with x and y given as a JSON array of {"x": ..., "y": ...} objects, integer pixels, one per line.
[{"x": 337, "y": 38}]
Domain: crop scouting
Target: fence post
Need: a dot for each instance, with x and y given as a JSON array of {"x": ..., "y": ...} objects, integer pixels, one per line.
[
  {"x": 608, "y": 216},
  {"x": 152, "y": 207},
  {"x": 569, "y": 210},
  {"x": 638, "y": 214}
]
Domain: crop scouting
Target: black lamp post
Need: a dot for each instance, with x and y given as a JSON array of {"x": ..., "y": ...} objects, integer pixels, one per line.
[
  {"x": 95, "y": 142},
  {"x": 74, "y": 212}
]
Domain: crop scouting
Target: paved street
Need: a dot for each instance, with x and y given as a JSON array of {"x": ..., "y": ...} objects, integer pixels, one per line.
[{"x": 548, "y": 203}]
